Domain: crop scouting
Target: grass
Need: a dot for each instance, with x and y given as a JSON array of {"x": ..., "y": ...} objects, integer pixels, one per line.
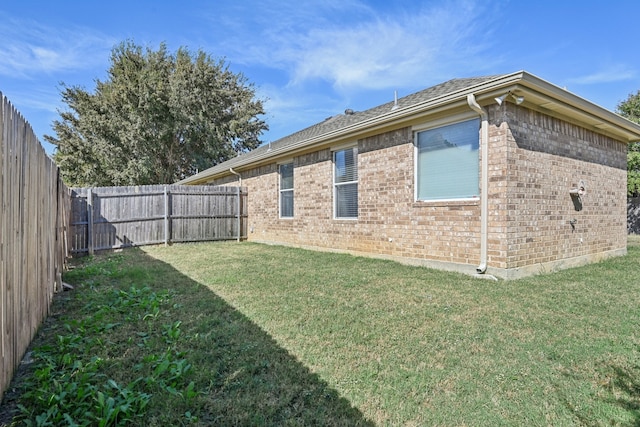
[{"x": 248, "y": 334}]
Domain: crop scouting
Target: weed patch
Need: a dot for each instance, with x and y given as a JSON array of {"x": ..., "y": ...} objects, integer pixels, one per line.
[
  {"x": 247, "y": 334},
  {"x": 78, "y": 376}
]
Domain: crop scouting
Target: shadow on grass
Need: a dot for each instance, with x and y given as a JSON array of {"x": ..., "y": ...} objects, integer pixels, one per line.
[
  {"x": 622, "y": 385},
  {"x": 241, "y": 373},
  {"x": 626, "y": 383}
]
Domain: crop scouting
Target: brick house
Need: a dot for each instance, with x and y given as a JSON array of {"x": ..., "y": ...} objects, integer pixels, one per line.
[{"x": 503, "y": 175}]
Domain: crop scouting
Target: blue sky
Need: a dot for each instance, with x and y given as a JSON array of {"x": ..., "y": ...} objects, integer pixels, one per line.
[{"x": 313, "y": 59}]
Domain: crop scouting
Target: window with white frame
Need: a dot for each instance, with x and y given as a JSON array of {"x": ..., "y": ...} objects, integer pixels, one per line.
[
  {"x": 447, "y": 163},
  {"x": 345, "y": 183},
  {"x": 286, "y": 190}
]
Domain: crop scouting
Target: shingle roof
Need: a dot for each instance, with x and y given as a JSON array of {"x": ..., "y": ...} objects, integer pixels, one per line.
[{"x": 341, "y": 121}]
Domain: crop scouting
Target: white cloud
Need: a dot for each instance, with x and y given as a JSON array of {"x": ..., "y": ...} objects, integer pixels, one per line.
[
  {"x": 615, "y": 73},
  {"x": 329, "y": 53},
  {"x": 350, "y": 46},
  {"x": 385, "y": 52},
  {"x": 29, "y": 48}
]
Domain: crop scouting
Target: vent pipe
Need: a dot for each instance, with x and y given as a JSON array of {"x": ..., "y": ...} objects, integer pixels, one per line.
[{"x": 395, "y": 100}]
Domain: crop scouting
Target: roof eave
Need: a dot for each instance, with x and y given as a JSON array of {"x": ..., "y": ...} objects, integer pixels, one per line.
[
  {"x": 561, "y": 101},
  {"x": 393, "y": 116},
  {"x": 537, "y": 92}
]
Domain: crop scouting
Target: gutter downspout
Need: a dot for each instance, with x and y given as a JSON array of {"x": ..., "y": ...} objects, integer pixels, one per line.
[
  {"x": 484, "y": 180},
  {"x": 239, "y": 213}
]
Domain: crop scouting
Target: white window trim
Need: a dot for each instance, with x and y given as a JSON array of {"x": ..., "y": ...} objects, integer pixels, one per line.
[
  {"x": 450, "y": 120},
  {"x": 340, "y": 147},
  {"x": 334, "y": 185},
  {"x": 335, "y": 205},
  {"x": 280, "y": 190}
]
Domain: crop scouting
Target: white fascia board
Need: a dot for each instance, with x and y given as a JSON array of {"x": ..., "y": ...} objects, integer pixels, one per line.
[{"x": 540, "y": 92}]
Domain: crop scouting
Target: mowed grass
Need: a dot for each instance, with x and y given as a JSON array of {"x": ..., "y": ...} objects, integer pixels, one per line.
[{"x": 283, "y": 336}]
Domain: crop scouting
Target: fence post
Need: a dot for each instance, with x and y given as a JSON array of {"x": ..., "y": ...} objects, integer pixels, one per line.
[
  {"x": 166, "y": 216},
  {"x": 90, "y": 220}
]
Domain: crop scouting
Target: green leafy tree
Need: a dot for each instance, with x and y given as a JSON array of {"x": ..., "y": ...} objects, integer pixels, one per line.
[
  {"x": 631, "y": 110},
  {"x": 157, "y": 118}
]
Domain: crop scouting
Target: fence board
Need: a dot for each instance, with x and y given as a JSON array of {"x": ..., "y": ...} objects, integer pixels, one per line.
[
  {"x": 33, "y": 217},
  {"x": 142, "y": 215},
  {"x": 41, "y": 222}
]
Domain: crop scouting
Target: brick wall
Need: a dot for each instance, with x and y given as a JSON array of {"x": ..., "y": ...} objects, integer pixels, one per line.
[
  {"x": 545, "y": 158},
  {"x": 389, "y": 221},
  {"x": 534, "y": 160}
]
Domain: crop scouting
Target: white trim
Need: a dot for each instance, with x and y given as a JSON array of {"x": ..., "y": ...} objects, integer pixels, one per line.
[
  {"x": 334, "y": 185},
  {"x": 449, "y": 120},
  {"x": 462, "y": 199},
  {"x": 284, "y": 161},
  {"x": 280, "y": 205},
  {"x": 345, "y": 146},
  {"x": 415, "y": 167},
  {"x": 536, "y": 91},
  {"x": 335, "y": 206},
  {"x": 280, "y": 190}
]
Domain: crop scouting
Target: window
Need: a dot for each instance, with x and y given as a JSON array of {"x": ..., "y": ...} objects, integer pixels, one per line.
[
  {"x": 345, "y": 183},
  {"x": 286, "y": 190},
  {"x": 447, "y": 161}
]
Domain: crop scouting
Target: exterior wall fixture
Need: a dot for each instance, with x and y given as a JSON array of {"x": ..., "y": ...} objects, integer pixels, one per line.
[
  {"x": 573, "y": 223},
  {"x": 576, "y": 195},
  {"x": 517, "y": 99}
]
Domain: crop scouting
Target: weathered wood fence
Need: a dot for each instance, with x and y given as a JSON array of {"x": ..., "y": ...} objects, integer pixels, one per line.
[
  {"x": 34, "y": 206},
  {"x": 117, "y": 217}
]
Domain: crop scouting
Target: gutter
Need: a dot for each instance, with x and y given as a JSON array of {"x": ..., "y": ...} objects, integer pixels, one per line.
[
  {"x": 530, "y": 86},
  {"x": 351, "y": 131},
  {"x": 484, "y": 180},
  {"x": 238, "y": 175}
]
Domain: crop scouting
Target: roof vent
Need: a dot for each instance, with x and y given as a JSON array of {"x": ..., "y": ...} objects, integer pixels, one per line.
[{"x": 349, "y": 112}]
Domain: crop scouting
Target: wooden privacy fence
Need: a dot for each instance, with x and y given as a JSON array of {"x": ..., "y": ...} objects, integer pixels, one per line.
[
  {"x": 34, "y": 206},
  {"x": 117, "y": 217}
]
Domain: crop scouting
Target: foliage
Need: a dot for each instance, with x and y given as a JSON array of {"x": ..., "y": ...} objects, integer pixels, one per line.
[
  {"x": 157, "y": 118},
  {"x": 138, "y": 343},
  {"x": 298, "y": 337},
  {"x": 72, "y": 381},
  {"x": 633, "y": 169},
  {"x": 631, "y": 110}
]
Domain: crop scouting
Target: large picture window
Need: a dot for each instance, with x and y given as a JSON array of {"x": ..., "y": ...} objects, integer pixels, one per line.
[
  {"x": 286, "y": 190},
  {"x": 448, "y": 162},
  {"x": 345, "y": 183}
]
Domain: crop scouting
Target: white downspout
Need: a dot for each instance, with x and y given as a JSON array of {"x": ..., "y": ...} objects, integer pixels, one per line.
[
  {"x": 238, "y": 175},
  {"x": 239, "y": 205},
  {"x": 484, "y": 180}
]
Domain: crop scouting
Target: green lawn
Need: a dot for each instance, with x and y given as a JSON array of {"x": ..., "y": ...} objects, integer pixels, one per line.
[{"x": 249, "y": 334}]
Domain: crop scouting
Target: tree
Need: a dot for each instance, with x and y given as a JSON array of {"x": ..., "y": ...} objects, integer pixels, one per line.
[
  {"x": 631, "y": 110},
  {"x": 157, "y": 118}
]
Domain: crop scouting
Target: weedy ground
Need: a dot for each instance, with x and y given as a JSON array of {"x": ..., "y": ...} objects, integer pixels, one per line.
[{"x": 248, "y": 334}]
